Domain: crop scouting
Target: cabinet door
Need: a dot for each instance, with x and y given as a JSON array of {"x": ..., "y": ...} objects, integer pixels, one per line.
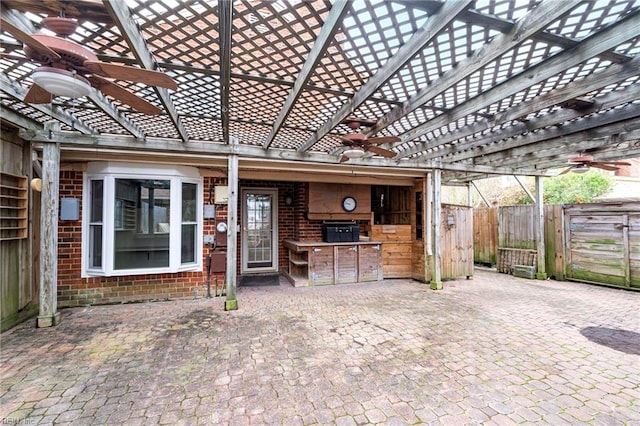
[
  {"x": 321, "y": 265},
  {"x": 370, "y": 263},
  {"x": 346, "y": 264}
]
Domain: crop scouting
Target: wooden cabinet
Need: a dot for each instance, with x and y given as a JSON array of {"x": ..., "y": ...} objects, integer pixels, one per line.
[
  {"x": 346, "y": 268},
  {"x": 370, "y": 263},
  {"x": 316, "y": 263},
  {"x": 14, "y": 197},
  {"x": 321, "y": 265},
  {"x": 396, "y": 249}
]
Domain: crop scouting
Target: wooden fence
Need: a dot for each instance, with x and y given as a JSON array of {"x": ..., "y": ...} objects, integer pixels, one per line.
[
  {"x": 485, "y": 236},
  {"x": 506, "y": 236}
]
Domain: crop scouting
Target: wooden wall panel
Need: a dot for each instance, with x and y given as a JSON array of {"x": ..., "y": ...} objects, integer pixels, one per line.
[
  {"x": 457, "y": 241},
  {"x": 554, "y": 241},
  {"x": 18, "y": 290},
  {"x": 485, "y": 235},
  {"x": 396, "y": 249},
  {"x": 325, "y": 201}
]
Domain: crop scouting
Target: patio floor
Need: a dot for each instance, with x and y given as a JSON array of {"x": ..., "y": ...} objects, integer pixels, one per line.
[{"x": 492, "y": 350}]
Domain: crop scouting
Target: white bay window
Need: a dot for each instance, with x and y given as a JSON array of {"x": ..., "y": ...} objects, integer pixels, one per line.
[{"x": 141, "y": 219}]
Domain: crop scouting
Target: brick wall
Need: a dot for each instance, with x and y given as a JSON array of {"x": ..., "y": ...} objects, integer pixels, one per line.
[{"x": 76, "y": 291}]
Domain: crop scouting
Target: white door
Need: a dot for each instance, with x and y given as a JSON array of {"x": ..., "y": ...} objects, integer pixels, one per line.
[{"x": 259, "y": 230}]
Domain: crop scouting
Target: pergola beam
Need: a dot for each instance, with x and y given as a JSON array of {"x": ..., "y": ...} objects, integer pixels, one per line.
[
  {"x": 606, "y": 39},
  {"x": 436, "y": 23},
  {"x": 532, "y": 23},
  {"x": 225, "y": 13},
  {"x": 612, "y": 122},
  {"x": 121, "y": 15},
  {"x": 592, "y": 82},
  {"x": 152, "y": 145},
  {"x": 319, "y": 49},
  {"x": 504, "y": 26}
]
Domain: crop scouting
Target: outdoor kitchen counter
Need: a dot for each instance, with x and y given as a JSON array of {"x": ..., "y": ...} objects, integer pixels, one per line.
[{"x": 319, "y": 263}]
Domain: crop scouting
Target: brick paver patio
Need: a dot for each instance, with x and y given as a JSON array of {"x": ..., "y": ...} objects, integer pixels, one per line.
[{"x": 492, "y": 350}]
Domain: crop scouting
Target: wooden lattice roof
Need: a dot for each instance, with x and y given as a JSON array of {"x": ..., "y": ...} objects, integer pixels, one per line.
[{"x": 473, "y": 87}]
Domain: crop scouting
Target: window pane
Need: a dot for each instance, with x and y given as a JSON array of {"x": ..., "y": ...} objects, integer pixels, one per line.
[
  {"x": 189, "y": 227},
  {"x": 95, "y": 246},
  {"x": 188, "y": 250},
  {"x": 189, "y": 202},
  {"x": 96, "y": 200},
  {"x": 95, "y": 226},
  {"x": 142, "y": 209}
]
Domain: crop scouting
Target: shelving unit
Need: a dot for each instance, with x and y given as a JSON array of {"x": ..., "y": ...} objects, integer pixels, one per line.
[
  {"x": 316, "y": 263},
  {"x": 14, "y": 200},
  {"x": 299, "y": 266}
]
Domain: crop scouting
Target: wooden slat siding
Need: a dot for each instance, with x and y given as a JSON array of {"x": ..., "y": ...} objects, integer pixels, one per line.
[
  {"x": 485, "y": 235},
  {"x": 325, "y": 201},
  {"x": 554, "y": 241},
  {"x": 418, "y": 263},
  {"x": 634, "y": 250},
  {"x": 596, "y": 248},
  {"x": 18, "y": 285},
  {"x": 517, "y": 227},
  {"x": 346, "y": 264},
  {"x": 321, "y": 265},
  {"x": 457, "y": 242},
  {"x": 396, "y": 249},
  {"x": 369, "y": 261}
]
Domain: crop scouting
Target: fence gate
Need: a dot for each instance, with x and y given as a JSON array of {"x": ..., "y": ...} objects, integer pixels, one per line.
[{"x": 603, "y": 245}]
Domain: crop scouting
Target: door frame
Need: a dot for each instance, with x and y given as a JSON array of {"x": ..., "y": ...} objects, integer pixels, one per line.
[{"x": 244, "y": 230}]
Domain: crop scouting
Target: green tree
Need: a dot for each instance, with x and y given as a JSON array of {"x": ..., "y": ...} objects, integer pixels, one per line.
[
  {"x": 569, "y": 188},
  {"x": 576, "y": 187}
]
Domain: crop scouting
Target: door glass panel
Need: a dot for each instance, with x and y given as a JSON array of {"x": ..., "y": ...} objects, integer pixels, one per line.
[{"x": 259, "y": 232}]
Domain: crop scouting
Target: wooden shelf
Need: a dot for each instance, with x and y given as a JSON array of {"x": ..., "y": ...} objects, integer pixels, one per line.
[{"x": 14, "y": 198}]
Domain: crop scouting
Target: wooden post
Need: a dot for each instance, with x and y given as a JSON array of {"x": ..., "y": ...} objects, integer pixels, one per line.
[
  {"x": 469, "y": 195},
  {"x": 542, "y": 267},
  {"x": 48, "y": 315},
  {"x": 436, "y": 270},
  {"x": 231, "y": 303}
]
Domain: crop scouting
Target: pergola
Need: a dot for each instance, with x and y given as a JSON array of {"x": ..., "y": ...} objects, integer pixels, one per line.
[{"x": 471, "y": 88}]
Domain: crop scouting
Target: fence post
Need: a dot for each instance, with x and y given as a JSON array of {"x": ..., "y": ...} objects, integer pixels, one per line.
[{"x": 542, "y": 274}]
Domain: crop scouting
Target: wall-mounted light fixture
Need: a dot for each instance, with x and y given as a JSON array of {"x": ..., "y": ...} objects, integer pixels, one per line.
[{"x": 451, "y": 220}]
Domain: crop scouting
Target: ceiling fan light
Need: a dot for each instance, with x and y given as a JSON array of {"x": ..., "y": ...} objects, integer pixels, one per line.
[
  {"x": 60, "y": 82},
  {"x": 580, "y": 168},
  {"x": 354, "y": 152}
]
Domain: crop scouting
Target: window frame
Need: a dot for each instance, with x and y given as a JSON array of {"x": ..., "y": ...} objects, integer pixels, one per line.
[{"x": 108, "y": 172}]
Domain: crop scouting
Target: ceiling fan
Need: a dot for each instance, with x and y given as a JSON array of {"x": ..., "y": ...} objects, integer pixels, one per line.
[
  {"x": 357, "y": 142},
  {"x": 69, "y": 69},
  {"x": 583, "y": 163}
]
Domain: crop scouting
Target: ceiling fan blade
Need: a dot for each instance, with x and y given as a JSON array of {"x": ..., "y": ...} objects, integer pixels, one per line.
[
  {"x": 10, "y": 57},
  {"x": 604, "y": 166},
  {"x": 123, "y": 95},
  {"x": 611, "y": 163},
  {"x": 26, "y": 38},
  {"x": 382, "y": 139},
  {"x": 380, "y": 151},
  {"x": 565, "y": 171},
  {"x": 126, "y": 72},
  {"x": 37, "y": 95}
]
